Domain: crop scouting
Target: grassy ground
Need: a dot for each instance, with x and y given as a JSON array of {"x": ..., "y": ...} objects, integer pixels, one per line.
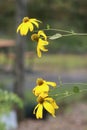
[{"x": 59, "y": 62}]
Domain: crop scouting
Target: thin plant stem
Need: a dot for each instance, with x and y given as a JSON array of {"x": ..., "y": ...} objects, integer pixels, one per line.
[
  {"x": 58, "y": 30},
  {"x": 75, "y": 83},
  {"x": 75, "y": 34},
  {"x": 70, "y": 33}
]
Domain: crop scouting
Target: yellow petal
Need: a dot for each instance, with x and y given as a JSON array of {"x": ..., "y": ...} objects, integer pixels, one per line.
[
  {"x": 49, "y": 99},
  {"x": 24, "y": 29},
  {"x": 49, "y": 108},
  {"x": 39, "y": 89},
  {"x": 40, "y": 47},
  {"x": 35, "y": 23},
  {"x": 35, "y": 109},
  {"x": 30, "y": 26},
  {"x": 43, "y": 42},
  {"x": 39, "y": 113},
  {"x": 18, "y": 28},
  {"x": 52, "y": 101},
  {"x": 41, "y": 33},
  {"x": 33, "y": 19},
  {"x": 43, "y": 94},
  {"x": 55, "y": 105},
  {"x": 53, "y": 84}
]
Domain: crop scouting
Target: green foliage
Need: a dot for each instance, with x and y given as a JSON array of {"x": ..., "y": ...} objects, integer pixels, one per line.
[
  {"x": 69, "y": 92},
  {"x": 7, "y": 100},
  {"x": 2, "y": 126},
  {"x": 76, "y": 89}
]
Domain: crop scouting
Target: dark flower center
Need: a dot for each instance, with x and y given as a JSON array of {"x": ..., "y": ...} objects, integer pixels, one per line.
[
  {"x": 40, "y": 100},
  {"x": 40, "y": 82},
  {"x": 35, "y": 37},
  {"x": 25, "y": 19}
]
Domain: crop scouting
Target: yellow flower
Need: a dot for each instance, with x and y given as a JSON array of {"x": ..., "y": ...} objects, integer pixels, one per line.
[
  {"x": 41, "y": 39},
  {"x": 48, "y": 103},
  {"x": 27, "y": 25},
  {"x": 42, "y": 87}
]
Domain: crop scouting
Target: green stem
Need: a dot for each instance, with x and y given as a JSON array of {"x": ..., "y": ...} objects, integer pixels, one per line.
[
  {"x": 71, "y": 33},
  {"x": 75, "y": 34},
  {"x": 58, "y": 30},
  {"x": 75, "y": 83}
]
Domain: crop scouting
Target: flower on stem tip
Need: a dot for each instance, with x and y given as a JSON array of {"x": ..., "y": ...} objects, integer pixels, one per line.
[
  {"x": 48, "y": 103},
  {"x": 41, "y": 40},
  {"x": 42, "y": 87},
  {"x": 27, "y": 25}
]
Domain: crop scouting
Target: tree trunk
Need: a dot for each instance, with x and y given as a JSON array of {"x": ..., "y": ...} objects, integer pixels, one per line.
[{"x": 21, "y": 7}]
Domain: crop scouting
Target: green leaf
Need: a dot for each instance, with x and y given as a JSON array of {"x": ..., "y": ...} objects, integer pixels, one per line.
[
  {"x": 76, "y": 89},
  {"x": 55, "y": 36},
  {"x": 7, "y": 100}
]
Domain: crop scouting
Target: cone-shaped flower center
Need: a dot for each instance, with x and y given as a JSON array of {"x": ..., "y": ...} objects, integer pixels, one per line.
[
  {"x": 35, "y": 37},
  {"x": 25, "y": 19},
  {"x": 40, "y": 100},
  {"x": 39, "y": 81}
]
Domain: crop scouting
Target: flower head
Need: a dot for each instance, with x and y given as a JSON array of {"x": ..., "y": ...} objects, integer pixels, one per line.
[
  {"x": 48, "y": 103},
  {"x": 41, "y": 39},
  {"x": 27, "y": 25},
  {"x": 42, "y": 87}
]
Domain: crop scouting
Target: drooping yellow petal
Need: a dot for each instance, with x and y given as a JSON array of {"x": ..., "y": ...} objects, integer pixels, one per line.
[
  {"x": 34, "y": 22},
  {"x": 43, "y": 42},
  {"x": 53, "y": 84},
  {"x": 18, "y": 28},
  {"x": 30, "y": 26},
  {"x": 39, "y": 112},
  {"x": 41, "y": 33},
  {"x": 52, "y": 101},
  {"x": 49, "y": 108},
  {"x": 55, "y": 105},
  {"x": 24, "y": 29},
  {"x": 40, "y": 47},
  {"x": 34, "y": 111}
]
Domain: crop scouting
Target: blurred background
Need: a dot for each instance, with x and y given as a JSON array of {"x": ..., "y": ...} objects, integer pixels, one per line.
[{"x": 64, "y": 63}]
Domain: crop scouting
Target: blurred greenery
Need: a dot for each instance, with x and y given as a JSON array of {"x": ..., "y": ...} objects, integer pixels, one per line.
[
  {"x": 2, "y": 126},
  {"x": 8, "y": 99},
  {"x": 61, "y": 63},
  {"x": 69, "y": 15},
  {"x": 68, "y": 93}
]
